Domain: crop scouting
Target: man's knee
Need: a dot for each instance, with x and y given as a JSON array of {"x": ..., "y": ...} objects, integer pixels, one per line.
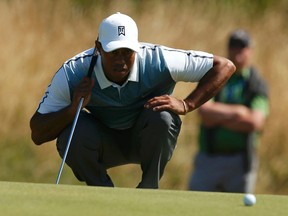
[
  {"x": 163, "y": 120},
  {"x": 86, "y": 132}
]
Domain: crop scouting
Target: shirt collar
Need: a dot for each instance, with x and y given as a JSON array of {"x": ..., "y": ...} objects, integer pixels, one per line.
[{"x": 105, "y": 83}]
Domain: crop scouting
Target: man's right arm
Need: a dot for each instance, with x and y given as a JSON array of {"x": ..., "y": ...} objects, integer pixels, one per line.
[
  {"x": 46, "y": 127},
  {"x": 235, "y": 117}
]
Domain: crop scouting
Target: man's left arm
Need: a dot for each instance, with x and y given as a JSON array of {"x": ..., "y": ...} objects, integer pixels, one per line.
[
  {"x": 207, "y": 88},
  {"x": 247, "y": 119},
  {"x": 210, "y": 83}
]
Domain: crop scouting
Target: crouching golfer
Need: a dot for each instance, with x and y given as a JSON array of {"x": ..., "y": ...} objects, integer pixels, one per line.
[{"x": 130, "y": 115}]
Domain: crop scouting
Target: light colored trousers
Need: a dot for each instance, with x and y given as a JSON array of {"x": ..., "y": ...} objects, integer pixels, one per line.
[
  {"x": 223, "y": 173},
  {"x": 96, "y": 148}
]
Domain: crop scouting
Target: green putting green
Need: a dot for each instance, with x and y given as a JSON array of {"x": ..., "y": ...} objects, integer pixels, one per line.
[{"x": 48, "y": 199}]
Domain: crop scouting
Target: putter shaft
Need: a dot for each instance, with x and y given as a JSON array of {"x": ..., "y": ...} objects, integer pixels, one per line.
[{"x": 70, "y": 138}]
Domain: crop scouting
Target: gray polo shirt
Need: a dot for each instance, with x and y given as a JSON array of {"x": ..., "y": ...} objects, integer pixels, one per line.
[{"x": 155, "y": 72}]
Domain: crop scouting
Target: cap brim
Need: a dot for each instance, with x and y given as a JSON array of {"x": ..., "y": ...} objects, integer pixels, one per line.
[{"x": 111, "y": 46}]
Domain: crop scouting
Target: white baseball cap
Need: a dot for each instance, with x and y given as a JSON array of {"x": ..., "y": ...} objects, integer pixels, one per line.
[{"x": 118, "y": 31}]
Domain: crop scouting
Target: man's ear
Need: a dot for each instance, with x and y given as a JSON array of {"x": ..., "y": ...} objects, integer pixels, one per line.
[{"x": 98, "y": 46}]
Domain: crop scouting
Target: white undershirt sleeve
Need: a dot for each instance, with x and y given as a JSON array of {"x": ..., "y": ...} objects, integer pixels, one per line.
[
  {"x": 188, "y": 66},
  {"x": 57, "y": 95}
]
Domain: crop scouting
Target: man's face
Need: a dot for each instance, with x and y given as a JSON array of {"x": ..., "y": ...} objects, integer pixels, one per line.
[
  {"x": 117, "y": 64},
  {"x": 239, "y": 56}
]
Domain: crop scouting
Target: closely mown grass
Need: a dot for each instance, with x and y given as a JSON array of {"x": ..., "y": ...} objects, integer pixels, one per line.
[
  {"x": 46, "y": 199},
  {"x": 38, "y": 36}
]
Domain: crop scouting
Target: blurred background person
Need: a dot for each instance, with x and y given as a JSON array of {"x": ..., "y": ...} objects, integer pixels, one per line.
[{"x": 230, "y": 126}]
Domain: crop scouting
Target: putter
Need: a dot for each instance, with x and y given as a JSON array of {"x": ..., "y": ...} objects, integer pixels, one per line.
[{"x": 92, "y": 64}]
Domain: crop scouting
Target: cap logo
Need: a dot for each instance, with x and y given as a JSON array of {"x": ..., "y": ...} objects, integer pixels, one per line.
[{"x": 121, "y": 30}]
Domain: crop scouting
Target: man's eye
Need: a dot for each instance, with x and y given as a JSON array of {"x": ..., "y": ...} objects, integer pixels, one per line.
[
  {"x": 115, "y": 52},
  {"x": 128, "y": 52}
]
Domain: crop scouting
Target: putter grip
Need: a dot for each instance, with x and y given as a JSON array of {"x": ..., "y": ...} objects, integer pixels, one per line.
[{"x": 92, "y": 63}]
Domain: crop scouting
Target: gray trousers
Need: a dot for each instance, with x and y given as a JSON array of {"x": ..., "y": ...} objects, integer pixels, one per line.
[
  {"x": 95, "y": 148},
  {"x": 223, "y": 173}
]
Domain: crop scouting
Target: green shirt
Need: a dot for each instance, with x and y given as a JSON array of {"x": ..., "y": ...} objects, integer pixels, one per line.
[{"x": 234, "y": 92}]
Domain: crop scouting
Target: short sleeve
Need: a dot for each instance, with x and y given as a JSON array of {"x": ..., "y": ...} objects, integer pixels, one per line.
[
  {"x": 188, "y": 66},
  {"x": 260, "y": 103},
  {"x": 57, "y": 95}
]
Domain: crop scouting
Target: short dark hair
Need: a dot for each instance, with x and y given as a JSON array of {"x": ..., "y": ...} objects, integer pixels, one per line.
[{"x": 239, "y": 38}]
